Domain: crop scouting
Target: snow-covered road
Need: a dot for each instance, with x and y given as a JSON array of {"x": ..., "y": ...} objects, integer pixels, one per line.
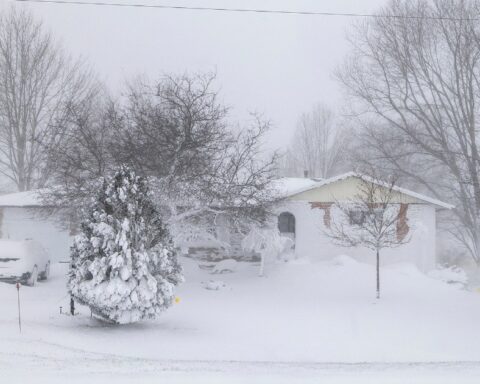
[{"x": 46, "y": 362}]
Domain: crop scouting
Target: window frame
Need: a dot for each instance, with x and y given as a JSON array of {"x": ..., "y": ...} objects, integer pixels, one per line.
[{"x": 289, "y": 224}]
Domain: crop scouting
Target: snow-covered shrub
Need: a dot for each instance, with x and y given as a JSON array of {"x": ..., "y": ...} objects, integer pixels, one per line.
[
  {"x": 225, "y": 266},
  {"x": 213, "y": 285},
  {"x": 123, "y": 265},
  {"x": 266, "y": 241},
  {"x": 343, "y": 261},
  {"x": 450, "y": 275}
]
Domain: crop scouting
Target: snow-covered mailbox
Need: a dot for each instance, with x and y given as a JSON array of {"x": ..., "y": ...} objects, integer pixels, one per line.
[
  {"x": 20, "y": 219},
  {"x": 307, "y": 209}
]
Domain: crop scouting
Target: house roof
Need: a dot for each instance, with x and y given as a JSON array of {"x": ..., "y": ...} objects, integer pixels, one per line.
[
  {"x": 289, "y": 186},
  {"x": 22, "y": 199},
  {"x": 281, "y": 188},
  {"x": 297, "y": 188}
]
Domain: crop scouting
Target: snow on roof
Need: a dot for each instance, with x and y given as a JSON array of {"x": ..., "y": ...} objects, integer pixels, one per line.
[
  {"x": 281, "y": 188},
  {"x": 344, "y": 176},
  {"x": 22, "y": 199},
  {"x": 288, "y": 186}
]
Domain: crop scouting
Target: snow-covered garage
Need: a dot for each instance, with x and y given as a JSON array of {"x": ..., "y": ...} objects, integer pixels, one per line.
[{"x": 21, "y": 218}]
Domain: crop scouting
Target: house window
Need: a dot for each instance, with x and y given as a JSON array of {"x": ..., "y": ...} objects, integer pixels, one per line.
[
  {"x": 356, "y": 216},
  {"x": 359, "y": 217},
  {"x": 286, "y": 223}
]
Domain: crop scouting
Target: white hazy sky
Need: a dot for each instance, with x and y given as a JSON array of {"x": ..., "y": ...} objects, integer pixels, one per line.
[{"x": 279, "y": 65}]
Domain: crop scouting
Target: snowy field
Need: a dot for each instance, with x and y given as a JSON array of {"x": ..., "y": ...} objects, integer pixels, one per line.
[{"x": 303, "y": 322}]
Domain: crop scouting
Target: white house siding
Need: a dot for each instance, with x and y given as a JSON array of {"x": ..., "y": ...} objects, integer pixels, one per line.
[
  {"x": 345, "y": 189},
  {"x": 20, "y": 223},
  {"x": 312, "y": 242}
]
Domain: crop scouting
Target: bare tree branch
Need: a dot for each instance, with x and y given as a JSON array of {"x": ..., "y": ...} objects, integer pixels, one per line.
[
  {"x": 37, "y": 80},
  {"x": 415, "y": 86}
]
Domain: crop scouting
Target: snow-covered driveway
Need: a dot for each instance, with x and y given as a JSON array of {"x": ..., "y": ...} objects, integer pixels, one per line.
[{"x": 304, "y": 322}]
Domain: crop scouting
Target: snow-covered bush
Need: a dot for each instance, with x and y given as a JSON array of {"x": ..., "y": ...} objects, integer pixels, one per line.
[
  {"x": 343, "y": 261},
  {"x": 213, "y": 285},
  {"x": 123, "y": 265},
  {"x": 450, "y": 275},
  {"x": 266, "y": 241},
  {"x": 225, "y": 266}
]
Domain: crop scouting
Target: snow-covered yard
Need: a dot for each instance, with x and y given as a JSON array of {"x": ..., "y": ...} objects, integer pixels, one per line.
[{"x": 302, "y": 322}]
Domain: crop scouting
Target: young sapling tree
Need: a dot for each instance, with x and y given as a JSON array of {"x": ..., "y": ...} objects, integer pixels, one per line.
[{"x": 375, "y": 218}]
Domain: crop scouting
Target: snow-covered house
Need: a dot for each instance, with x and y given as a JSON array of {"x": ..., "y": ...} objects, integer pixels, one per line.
[
  {"x": 307, "y": 209},
  {"x": 21, "y": 218},
  {"x": 304, "y": 212}
]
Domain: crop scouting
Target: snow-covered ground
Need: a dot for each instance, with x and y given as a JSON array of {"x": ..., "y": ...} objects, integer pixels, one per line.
[{"x": 303, "y": 322}]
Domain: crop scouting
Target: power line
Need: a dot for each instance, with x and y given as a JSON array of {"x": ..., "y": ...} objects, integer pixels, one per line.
[{"x": 241, "y": 10}]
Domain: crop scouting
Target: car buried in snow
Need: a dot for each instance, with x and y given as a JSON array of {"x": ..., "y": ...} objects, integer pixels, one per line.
[{"x": 23, "y": 261}]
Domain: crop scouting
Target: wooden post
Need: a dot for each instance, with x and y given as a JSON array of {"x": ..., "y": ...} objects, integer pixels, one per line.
[
  {"x": 18, "y": 300},
  {"x": 378, "y": 274}
]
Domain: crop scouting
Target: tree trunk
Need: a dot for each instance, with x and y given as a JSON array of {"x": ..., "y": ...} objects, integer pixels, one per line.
[
  {"x": 262, "y": 264},
  {"x": 378, "y": 274}
]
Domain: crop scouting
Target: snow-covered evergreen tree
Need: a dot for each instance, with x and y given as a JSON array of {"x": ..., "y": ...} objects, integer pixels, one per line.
[{"x": 123, "y": 265}]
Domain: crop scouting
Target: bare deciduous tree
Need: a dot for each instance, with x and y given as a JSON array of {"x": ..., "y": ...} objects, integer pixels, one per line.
[
  {"x": 372, "y": 219},
  {"x": 319, "y": 145},
  {"x": 415, "y": 86},
  {"x": 36, "y": 80},
  {"x": 173, "y": 128},
  {"x": 234, "y": 186},
  {"x": 80, "y": 151},
  {"x": 175, "y": 133}
]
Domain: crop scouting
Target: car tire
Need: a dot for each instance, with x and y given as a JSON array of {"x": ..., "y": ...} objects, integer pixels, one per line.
[
  {"x": 45, "y": 274},
  {"x": 32, "y": 280},
  {"x": 47, "y": 271}
]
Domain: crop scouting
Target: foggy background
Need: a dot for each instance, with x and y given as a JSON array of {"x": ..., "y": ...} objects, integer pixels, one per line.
[{"x": 278, "y": 65}]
